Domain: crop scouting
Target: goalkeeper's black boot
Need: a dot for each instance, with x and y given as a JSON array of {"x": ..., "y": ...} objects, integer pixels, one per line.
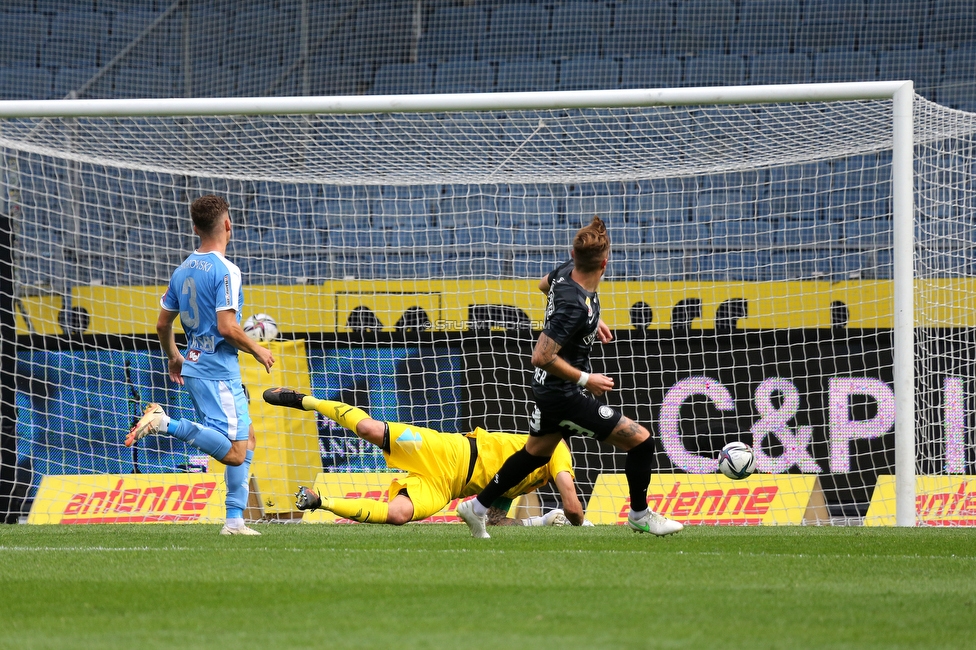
[
  {"x": 306, "y": 499},
  {"x": 285, "y": 397}
]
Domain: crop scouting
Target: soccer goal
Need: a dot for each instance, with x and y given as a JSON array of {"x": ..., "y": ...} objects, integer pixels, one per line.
[{"x": 792, "y": 267}]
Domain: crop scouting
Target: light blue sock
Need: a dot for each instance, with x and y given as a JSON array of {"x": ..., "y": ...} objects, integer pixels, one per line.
[
  {"x": 236, "y": 480},
  {"x": 207, "y": 440}
]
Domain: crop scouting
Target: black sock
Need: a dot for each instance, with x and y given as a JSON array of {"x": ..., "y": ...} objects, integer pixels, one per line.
[
  {"x": 517, "y": 467},
  {"x": 638, "y": 472}
]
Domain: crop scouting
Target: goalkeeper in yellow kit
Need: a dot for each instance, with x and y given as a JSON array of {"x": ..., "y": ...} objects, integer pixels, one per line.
[{"x": 440, "y": 467}]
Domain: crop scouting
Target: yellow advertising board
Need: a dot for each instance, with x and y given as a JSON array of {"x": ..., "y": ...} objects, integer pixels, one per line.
[
  {"x": 939, "y": 501},
  {"x": 129, "y": 499},
  {"x": 371, "y": 486},
  {"x": 712, "y": 499}
]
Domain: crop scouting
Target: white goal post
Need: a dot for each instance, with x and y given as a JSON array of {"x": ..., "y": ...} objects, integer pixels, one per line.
[{"x": 902, "y": 146}]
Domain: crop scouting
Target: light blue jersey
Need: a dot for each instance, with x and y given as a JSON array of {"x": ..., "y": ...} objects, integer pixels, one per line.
[{"x": 202, "y": 285}]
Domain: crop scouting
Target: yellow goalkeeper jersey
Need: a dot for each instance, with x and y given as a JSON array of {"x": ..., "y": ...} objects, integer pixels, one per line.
[{"x": 495, "y": 448}]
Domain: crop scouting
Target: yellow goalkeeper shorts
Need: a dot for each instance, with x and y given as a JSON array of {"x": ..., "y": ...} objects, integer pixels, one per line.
[{"x": 437, "y": 464}]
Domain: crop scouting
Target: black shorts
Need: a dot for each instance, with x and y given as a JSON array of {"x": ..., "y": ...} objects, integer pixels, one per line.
[{"x": 576, "y": 414}]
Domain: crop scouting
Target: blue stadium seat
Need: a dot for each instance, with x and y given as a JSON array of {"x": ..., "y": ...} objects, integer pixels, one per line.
[
  {"x": 67, "y": 79},
  {"x": 850, "y": 10},
  {"x": 508, "y": 18},
  {"x": 747, "y": 266},
  {"x": 784, "y": 12},
  {"x": 533, "y": 265},
  {"x": 80, "y": 24},
  {"x": 806, "y": 232},
  {"x": 581, "y": 16},
  {"x": 470, "y": 20},
  {"x": 448, "y": 45},
  {"x": 464, "y": 77},
  {"x": 338, "y": 79},
  {"x": 526, "y": 75},
  {"x": 25, "y": 82},
  {"x": 657, "y": 72},
  {"x": 403, "y": 78},
  {"x": 658, "y": 265},
  {"x": 701, "y": 27},
  {"x": 714, "y": 70},
  {"x": 952, "y": 23},
  {"x": 382, "y": 32},
  {"x": 760, "y": 37},
  {"x": 509, "y": 45},
  {"x": 844, "y": 66},
  {"x": 924, "y": 67},
  {"x": 568, "y": 43},
  {"x": 893, "y": 24},
  {"x": 144, "y": 83},
  {"x": 31, "y": 29},
  {"x": 666, "y": 200},
  {"x": 825, "y": 35},
  {"x": 960, "y": 97},
  {"x": 780, "y": 68},
  {"x": 959, "y": 65},
  {"x": 589, "y": 74},
  {"x": 639, "y": 30},
  {"x": 717, "y": 205}
]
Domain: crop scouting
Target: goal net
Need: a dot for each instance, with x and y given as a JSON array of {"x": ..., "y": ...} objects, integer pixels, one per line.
[{"x": 750, "y": 293}]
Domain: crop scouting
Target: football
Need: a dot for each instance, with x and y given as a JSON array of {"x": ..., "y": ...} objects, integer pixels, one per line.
[
  {"x": 736, "y": 460},
  {"x": 261, "y": 327}
]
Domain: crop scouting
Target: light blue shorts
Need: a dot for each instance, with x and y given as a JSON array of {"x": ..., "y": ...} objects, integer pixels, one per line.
[{"x": 221, "y": 405}]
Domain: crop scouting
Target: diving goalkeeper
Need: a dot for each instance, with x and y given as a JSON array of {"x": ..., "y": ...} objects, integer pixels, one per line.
[{"x": 440, "y": 466}]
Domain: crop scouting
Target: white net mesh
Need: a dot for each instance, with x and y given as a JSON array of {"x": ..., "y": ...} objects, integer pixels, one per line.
[{"x": 749, "y": 286}]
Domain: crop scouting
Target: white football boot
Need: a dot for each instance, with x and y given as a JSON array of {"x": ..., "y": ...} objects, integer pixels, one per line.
[
  {"x": 655, "y": 524},
  {"x": 477, "y": 525}
]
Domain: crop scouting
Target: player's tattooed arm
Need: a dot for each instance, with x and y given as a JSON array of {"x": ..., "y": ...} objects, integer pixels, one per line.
[
  {"x": 497, "y": 517},
  {"x": 545, "y": 353}
]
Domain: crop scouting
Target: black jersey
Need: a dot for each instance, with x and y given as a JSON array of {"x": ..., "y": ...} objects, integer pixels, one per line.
[{"x": 572, "y": 317}]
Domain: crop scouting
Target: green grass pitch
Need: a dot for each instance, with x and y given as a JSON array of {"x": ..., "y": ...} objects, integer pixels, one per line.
[{"x": 432, "y": 586}]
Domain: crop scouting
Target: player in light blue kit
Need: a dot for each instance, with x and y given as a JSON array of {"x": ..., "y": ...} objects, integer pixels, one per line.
[{"x": 205, "y": 292}]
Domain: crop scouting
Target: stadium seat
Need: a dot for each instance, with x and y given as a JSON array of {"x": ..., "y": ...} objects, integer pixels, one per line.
[
  {"x": 142, "y": 82},
  {"x": 658, "y": 265},
  {"x": 780, "y": 68},
  {"x": 67, "y": 79},
  {"x": 508, "y": 45},
  {"x": 714, "y": 70},
  {"x": 924, "y": 67},
  {"x": 893, "y": 24},
  {"x": 403, "y": 78},
  {"x": 509, "y": 18},
  {"x": 464, "y": 77},
  {"x": 471, "y": 20},
  {"x": 760, "y": 37},
  {"x": 25, "y": 82},
  {"x": 951, "y": 24},
  {"x": 667, "y": 200},
  {"x": 656, "y": 72},
  {"x": 337, "y": 79},
  {"x": 959, "y": 65},
  {"x": 589, "y": 74},
  {"x": 825, "y": 35},
  {"x": 580, "y": 17},
  {"x": 568, "y": 43},
  {"x": 522, "y": 75},
  {"x": 448, "y": 45},
  {"x": 784, "y": 12},
  {"x": 717, "y": 205},
  {"x": 639, "y": 30},
  {"x": 844, "y": 66},
  {"x": 701, "y": 27},
  {"x": 31, "y": 29}
]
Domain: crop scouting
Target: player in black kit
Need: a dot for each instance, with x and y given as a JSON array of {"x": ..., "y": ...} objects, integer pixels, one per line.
[{"x": 562, "y": 361}]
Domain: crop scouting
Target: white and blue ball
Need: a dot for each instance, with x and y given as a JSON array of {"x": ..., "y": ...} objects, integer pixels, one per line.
[
  {"x": 261, "y": 328},
  {"x": 737, "y": 460}
]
